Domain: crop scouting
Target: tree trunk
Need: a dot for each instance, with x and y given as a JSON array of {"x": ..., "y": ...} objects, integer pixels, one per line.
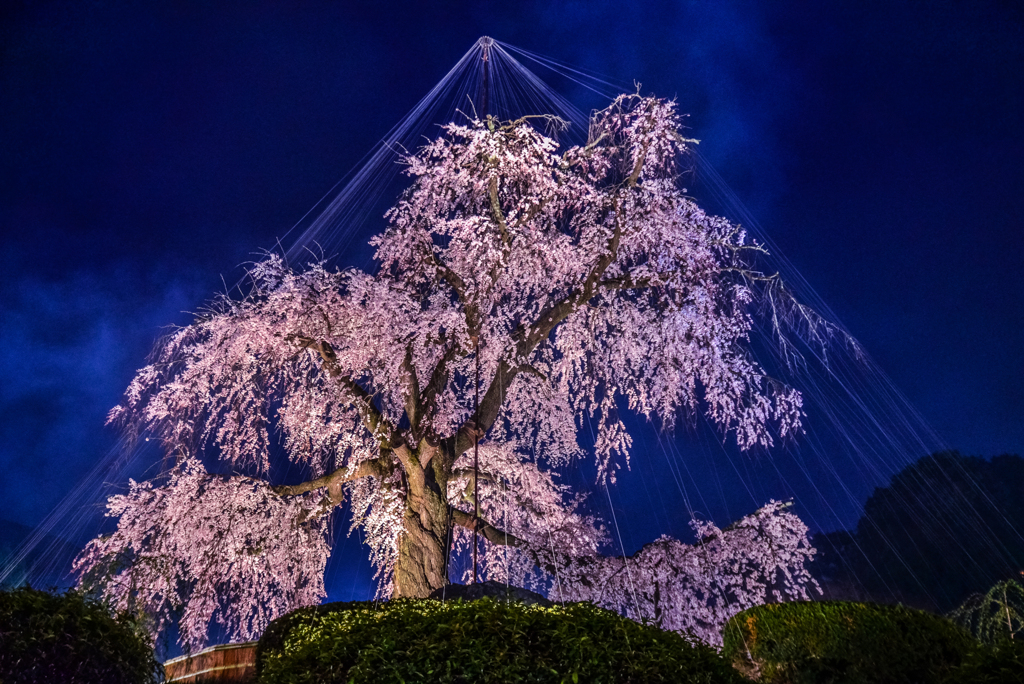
[
  {"x": 421, "y": 564},
  {"x": 420, "y": 568}
]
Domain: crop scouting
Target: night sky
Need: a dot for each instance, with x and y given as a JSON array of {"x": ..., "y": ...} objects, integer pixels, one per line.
[{"x": 150, "y": 149}]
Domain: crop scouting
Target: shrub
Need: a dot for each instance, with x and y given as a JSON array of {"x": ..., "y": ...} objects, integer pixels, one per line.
[
  {"x": 479, "y": 641},
  {"x": 1001, "y": 664},
  {"x": 838, "y": 641},
  {"x": 68, "y": 637}
]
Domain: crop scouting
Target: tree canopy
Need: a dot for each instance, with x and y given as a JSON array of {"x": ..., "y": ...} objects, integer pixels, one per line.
[
  {"x": 945, "y": 527},
  {"x": 522, "y": 290}
]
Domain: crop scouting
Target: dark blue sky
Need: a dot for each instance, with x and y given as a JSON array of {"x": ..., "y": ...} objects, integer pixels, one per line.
[{"x": 147, "y": 149}]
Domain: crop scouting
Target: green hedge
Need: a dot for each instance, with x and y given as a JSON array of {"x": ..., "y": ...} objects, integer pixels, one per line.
[
  {"x": 47, "y": 637},
  {"x": 479, "y": 641},
  {"x": 839, "y": 641}
]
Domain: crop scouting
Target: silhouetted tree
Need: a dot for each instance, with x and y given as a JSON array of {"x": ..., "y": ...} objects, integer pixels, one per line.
[{"x": 946, "y": 526}]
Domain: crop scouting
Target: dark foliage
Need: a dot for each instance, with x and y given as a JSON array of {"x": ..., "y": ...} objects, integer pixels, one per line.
[
  {"x": 945, "y": 527},
  {"x": 1003, "y": 664},
  {"x": 852, "y": 643},
  {"x": 70, "y": 638},
  {"x": 838, "y": 562},
  {"x": 499, "y": 591},
  {"x": 479, "y": 641}
]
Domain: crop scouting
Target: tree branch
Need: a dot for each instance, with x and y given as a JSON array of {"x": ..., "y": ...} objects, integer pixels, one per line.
[
  {"x": 372, "y": 468},
  {"x": 411, "y": 466},
  {"x": 531, "y": 212},
  {"x": 490, "y": 404},
  {"x": 438, "y": 381},
  {"x": 548, "y": 560},
  {"x": 461, "y": 291},
  {"x": 471, "y": 477},
  {"x": 413, "y": 408},
  {"x": 489, "y": 531},
  {"x": 499, "y": 218},
  {"x": 372, "y": 418},
  {"x": 639, "y": 166},
  {"x": 624, "y": 282}
]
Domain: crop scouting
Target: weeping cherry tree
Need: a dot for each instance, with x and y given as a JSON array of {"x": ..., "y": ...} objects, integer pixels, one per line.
[{"x": 523, "y": 290}]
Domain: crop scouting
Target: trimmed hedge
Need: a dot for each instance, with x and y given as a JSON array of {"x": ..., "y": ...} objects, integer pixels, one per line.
[
  {"x": 480, "y": 641},
  {"x": 840, "y": 641},
  {"x": 69, "y": 638}
]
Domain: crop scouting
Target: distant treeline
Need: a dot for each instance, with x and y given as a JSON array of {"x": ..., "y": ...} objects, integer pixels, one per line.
[{"x": 946, "y": 526}]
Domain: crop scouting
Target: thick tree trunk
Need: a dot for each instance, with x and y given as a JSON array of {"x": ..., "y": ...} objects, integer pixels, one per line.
[
  {"x": 420, "y": 568},
  {"x": 421, "y": 565}
]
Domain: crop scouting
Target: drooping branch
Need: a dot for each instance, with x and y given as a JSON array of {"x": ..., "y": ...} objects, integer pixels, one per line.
[
  {"x": 206, "y": 534},
  {"x": 696, "y": 587}
]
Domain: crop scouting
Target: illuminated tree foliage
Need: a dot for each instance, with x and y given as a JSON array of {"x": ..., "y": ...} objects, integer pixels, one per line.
[
  {"x": 996, "y": 615},
  {"x": 572, "y": 282}
]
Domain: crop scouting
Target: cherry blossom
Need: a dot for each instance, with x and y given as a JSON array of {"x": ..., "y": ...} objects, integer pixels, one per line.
[
  {"x": 557, "y": 286},
  {"x": 697, "y": 588},
  {"x": 208, "y": 549}
]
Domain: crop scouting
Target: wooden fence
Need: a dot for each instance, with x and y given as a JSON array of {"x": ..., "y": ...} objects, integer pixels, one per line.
[{"x": 227, "y": 663}]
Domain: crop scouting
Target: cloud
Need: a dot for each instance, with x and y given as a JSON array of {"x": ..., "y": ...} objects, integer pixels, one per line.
[{"x": 67, "y": 350}]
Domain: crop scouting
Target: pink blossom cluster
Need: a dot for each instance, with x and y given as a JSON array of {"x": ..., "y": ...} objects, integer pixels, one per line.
[
  {"x": 204, "y": 549},
  {"x": 697, "y": 588}
]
